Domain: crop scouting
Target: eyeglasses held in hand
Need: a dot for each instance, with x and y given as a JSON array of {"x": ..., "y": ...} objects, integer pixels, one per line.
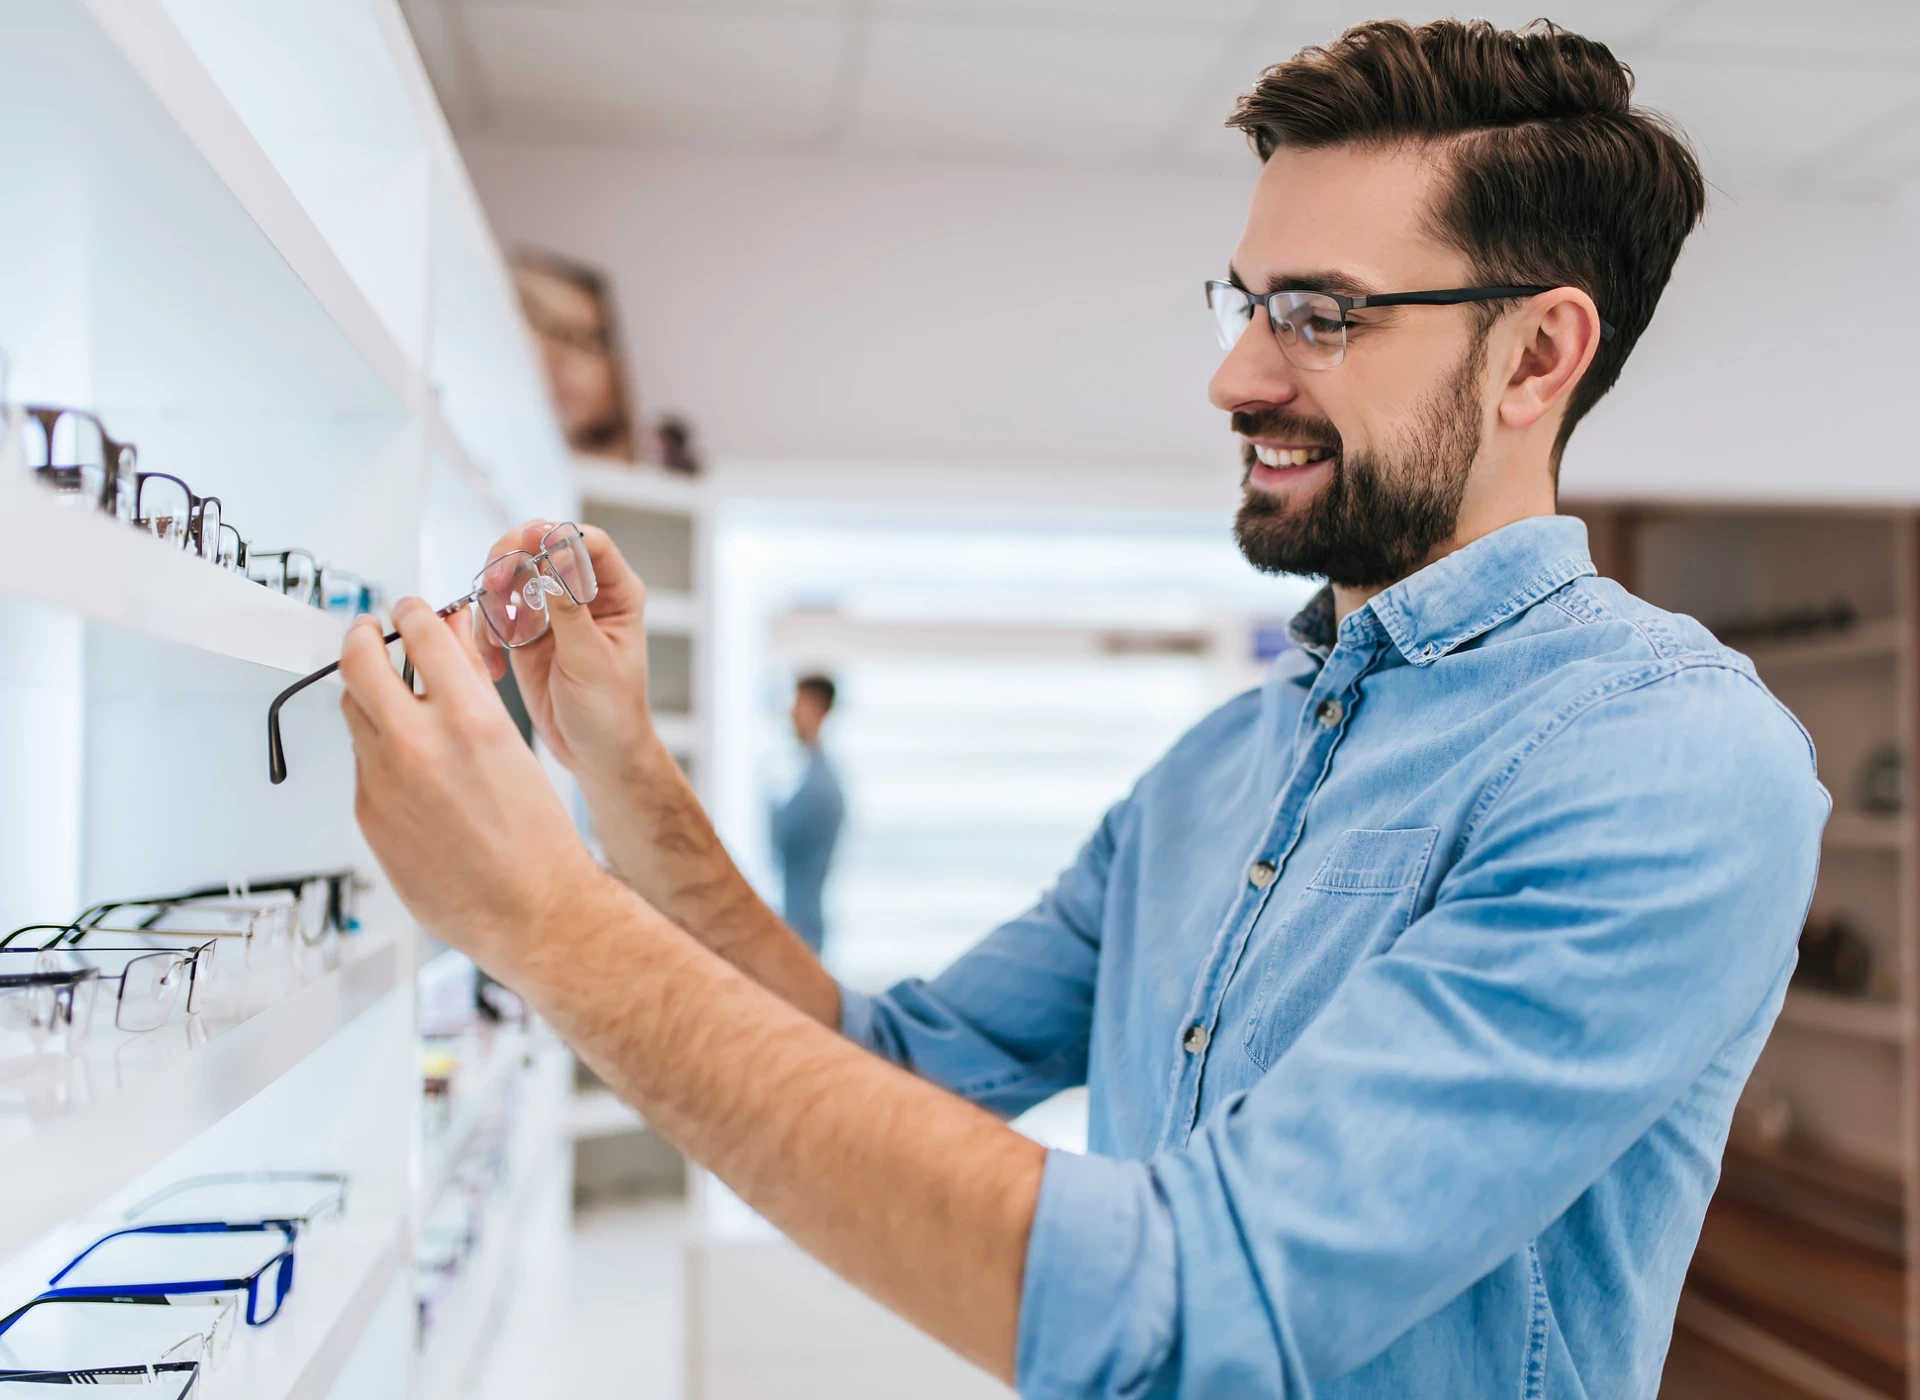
[
  {"x": 1312, "y": 326},
  {"x": 509, "y": 595}
]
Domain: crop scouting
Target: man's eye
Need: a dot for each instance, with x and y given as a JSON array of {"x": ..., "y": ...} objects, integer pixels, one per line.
[{"x": 1321, "y": 325}]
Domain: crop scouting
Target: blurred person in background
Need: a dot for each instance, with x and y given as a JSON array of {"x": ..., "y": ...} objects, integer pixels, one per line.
[
  {"x": 1413, "y": 989},
  {"x": 807, "y": 824}
]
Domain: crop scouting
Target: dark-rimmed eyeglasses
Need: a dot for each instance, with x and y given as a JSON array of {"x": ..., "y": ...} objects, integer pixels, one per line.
[
  {"x": 160, "y": 1376},
  {"x": 509, "y": 597},
  {"x": 71, "y": 451},
  {"x": 1312, "y": 326},
  {"x": 43, "y": 1003}
]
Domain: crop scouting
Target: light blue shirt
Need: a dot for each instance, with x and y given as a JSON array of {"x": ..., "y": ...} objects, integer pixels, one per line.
[
  {"x": 1413, "y": 991},
  {"x": 805, "y": 829}
]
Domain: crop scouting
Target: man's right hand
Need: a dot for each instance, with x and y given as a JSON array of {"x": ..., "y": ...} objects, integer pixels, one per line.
[{"x": 585, "y": 682}]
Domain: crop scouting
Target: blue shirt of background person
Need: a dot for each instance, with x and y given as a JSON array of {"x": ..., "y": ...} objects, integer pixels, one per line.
[{"x": 807, "y": 825}]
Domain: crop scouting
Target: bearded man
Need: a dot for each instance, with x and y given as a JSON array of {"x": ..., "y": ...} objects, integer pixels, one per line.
[{"x": 1413, "y": 989}]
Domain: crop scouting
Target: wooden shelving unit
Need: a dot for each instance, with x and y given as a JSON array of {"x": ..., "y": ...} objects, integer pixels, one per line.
[{"x": 1802, "y": 1275}]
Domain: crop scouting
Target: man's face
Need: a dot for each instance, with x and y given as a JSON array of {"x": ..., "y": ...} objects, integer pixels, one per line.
[
  {"x": 1391, "y": 433},
  {"x": 809, "y": 713}
]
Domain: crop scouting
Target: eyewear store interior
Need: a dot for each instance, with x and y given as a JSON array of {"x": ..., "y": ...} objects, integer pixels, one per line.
[{"x": 266, "y": 368}]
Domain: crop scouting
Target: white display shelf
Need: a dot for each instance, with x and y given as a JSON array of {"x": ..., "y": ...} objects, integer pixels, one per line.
[
  {"x": 478, "y": 1089},
  {"x": 128, "y": 1102},
  {"x": 1858, "y": 831},
  {"x": 107, "y": 571},
  {"x": 639, "y": 487},
  {"x": 1881, "y": 639},
  {"x": 340, "y": 1277},
  {"x": 463, "y": 1316},
  {"x": 201, "y": 127},
  {"x": 443, "y": 440},
  {"x": 1884, "y": 1022},
  {"x": 598, "y": 1113}
]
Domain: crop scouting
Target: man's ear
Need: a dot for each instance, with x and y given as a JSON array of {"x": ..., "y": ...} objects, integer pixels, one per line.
[{"x": 1559, "y": 337}]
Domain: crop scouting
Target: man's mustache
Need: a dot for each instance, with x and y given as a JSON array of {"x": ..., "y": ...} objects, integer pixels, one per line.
[{"x": 1278, "y": 423}]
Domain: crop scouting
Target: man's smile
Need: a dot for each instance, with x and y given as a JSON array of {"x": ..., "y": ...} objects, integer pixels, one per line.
[{"x": 1274, "y": 465}]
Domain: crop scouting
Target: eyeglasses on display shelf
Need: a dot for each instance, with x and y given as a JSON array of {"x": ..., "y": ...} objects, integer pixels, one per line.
[
  {"x": 166, "y": 1380},
  {"x": 146, "y": 984},
  {"x": 509, "y": 596},
  {"x": 47, "y": 1008},
  {"x": 300, "y": 1201},
  {"x": 126, "y": 1338},
  {"x": 177, "y": 1265},
  {"x": 69, "y": 451}
]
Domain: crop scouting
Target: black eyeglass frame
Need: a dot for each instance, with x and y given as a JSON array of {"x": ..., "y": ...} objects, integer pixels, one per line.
[
  {"x": 193, "y": 960},
  {"x": 1448, "y": 296},
  {"x": 150, "y": 1372}
]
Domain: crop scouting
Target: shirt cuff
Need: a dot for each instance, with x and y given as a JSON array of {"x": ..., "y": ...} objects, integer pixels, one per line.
[
  {"x": 1099, "y": 1302},
  {"x": 856, "y": 1017}
]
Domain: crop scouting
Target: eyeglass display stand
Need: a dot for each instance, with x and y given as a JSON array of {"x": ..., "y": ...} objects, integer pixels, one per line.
[{"x": 257, "y": 256}]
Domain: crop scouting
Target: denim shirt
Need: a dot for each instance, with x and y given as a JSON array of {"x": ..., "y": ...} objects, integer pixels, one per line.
[{"x": 1413, "y": 991}]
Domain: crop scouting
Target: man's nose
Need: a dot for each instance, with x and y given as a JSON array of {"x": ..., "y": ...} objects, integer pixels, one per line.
[{"x": 1254, "y": 371}]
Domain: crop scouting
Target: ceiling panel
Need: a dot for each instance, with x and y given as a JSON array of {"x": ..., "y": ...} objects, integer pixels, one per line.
[
  {"x": 972, "y": 88},
  {"x": 658, "y": 72},
  {"x": 1180, "y": 14},
  {"x": 1758, "y": 124},
  {"x": 1871, "y": 32}
]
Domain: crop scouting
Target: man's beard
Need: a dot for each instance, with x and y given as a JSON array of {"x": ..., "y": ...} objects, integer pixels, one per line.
[{"x": 1375, "y": 520}]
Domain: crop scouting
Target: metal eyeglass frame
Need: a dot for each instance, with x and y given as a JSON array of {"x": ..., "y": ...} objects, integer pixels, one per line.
[
  {"x": 163, "y": 1292},
  {"x": 253, "y": 942},
  {"x": 551, "y": 581},
  {"x": 331, "y": 1207},
  {"x": 1449, "y": 296},
  {"x": 149, "y": 1372},
  {"x": 187, "y": 960}
]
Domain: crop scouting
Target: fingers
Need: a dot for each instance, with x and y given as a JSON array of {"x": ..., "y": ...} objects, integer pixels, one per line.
[
  {"x": 621, "y": 590},
  {"x": 461, "y": 625},
  {"x": 370, "y": 678},
  {"x": 446, "y": 666}
]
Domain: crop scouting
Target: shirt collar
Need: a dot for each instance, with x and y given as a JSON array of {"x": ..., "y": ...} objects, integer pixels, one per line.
[{"x": 1468, "y": 593}]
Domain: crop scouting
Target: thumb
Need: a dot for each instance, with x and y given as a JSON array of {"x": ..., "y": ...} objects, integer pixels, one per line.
[{"x": 575, "y": 633}]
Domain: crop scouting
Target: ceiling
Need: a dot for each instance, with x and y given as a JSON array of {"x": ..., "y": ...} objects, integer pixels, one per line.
[{"x": 1780, "y": 95}]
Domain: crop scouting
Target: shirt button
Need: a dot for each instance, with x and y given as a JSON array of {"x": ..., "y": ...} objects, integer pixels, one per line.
[
  {"x": 1195, "y": 1040},
  {"x": 1261, "y": 873},
  {"x": 1329, "y": 713}
]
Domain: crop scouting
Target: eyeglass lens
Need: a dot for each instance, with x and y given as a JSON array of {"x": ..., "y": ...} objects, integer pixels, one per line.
[
  {"x": 511, "y": 592},
  {"x": 1310, "y": 326},
  {"x": 160, "y": 507},
  {"x": 67, "y": 450}
]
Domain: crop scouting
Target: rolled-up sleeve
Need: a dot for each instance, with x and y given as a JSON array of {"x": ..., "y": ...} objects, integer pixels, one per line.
[
  {"x": 1009, "y": 1023},
  {"x": 1623, "y": 907}
]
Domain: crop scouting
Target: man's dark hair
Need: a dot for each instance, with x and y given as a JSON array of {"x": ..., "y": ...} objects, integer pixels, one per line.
[
  {"x": 819, "y": 687},
  {"x": 1556, "y": 179}
]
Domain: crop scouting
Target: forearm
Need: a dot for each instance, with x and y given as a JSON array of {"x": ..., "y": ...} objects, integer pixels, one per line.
[
  {"x": 658, "y": 839},
  {"x": 916, "y": 1197}
]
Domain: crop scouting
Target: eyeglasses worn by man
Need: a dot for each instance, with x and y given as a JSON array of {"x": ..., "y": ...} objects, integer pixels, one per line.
[{"x": 1414, "y": 989}]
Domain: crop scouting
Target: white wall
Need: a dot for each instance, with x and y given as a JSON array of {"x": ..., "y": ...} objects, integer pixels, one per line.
[{"x": 970, "y": 329}]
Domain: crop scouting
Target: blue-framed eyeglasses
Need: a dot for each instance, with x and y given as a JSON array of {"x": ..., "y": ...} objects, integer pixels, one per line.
[{"x": 264, "y": 1286}]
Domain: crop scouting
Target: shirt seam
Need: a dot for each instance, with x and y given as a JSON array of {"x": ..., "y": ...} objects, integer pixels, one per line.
[{"x": 1662, "y": 668}]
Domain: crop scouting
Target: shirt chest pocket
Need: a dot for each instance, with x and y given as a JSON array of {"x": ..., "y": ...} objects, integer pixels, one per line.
[{"x": 1358, "y": 902}]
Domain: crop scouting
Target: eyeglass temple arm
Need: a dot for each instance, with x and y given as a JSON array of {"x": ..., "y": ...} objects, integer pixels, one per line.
[
  {"x": 276, "y": 751},
  {"x": 1453, "y": 298}
]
